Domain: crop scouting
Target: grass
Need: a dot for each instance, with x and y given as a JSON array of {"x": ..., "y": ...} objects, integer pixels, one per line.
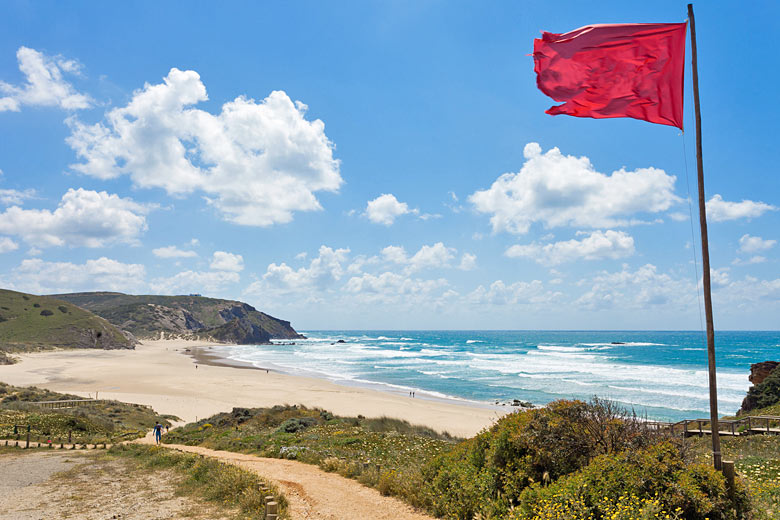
[
  {"x": 218, "y": 482},
  {"x": 108, "y": 421},
  {"x": 384, "y": 453},
  {"x": 757, "y": 460},
  {"x": 29, "y": 322}
]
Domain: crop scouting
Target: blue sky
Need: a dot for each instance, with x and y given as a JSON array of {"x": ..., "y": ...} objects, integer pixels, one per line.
[{"x": 340, "y": 165}]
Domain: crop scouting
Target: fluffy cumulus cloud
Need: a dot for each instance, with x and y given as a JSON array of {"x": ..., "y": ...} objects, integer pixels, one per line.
[
  {"x": 223, "y": 261},
  {"x": 750, "y": 244},
  {"x": 255, "y": 162},
  {"x": 44, "y": 83},
  {"x": 103, "y": 274},
  {"x": 719, "y": 210},
  {"x": 517, "y": 293},
  {"x": 562, "y": 190},
  {"x": 597, "y": 245},
  {"x": 323, "y": 272},
  {"x": 385, "y": 209},
  {"x": 173, "y": 252},
  {"x": 428, "y": 257},
  {"x": 82, "y": 218},
  {"x": 6, "y": 245},
  {"x": 389, "y": 287},
  {"x": 10, "y": 197},
  {"x": 643, "y": 288},
  {"x": 195, "y": 282}
]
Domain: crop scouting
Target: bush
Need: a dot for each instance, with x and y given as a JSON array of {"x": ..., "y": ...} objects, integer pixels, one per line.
[
  {"x": 297, "y": 424},
  {"x": 651, "y": 483},
  {"x": 46, "y": 312},
  {"x": 486, "y": 474},
  {"x": 63, "y": 309}
]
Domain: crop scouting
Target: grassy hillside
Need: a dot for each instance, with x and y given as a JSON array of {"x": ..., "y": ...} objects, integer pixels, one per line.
[
  {"x": 146, "y": 315},
  {"x": 103, "y": 420},
  {"x": 29, "y": 322}
]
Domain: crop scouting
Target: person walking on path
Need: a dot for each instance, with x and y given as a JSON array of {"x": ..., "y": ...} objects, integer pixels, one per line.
[{"x": 157, "y": 432}]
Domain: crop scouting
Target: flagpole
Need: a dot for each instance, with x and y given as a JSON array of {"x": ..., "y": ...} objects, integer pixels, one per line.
[{"x": 705, "y": 256}]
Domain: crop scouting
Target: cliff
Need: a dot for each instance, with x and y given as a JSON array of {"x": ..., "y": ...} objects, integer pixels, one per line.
[
  {"x": 146, "y": 316},
  {"x": 766, "y": 386}
]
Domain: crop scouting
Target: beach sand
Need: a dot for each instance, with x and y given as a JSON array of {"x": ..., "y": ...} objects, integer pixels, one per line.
[{"x": 163, "y": 375}]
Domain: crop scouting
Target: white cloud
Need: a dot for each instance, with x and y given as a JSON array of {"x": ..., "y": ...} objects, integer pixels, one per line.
[
  {"x": 103, "y": 274},
  {"x": 45, "y": 85},
  {"x": 559, "y": 190},
  {"x": 323, "y": 272},
  {"x": 522, "y": 293},
  {"x": 385, "y": 209},
  {"x": 197, "y": 282},
  {"x": 468, "y": 262},
  {"x": 391, "y": 287},
  {"x": 173, "y": 252},
  {"x": 82, "y": 218},
  {"x": 749, "y": 244},
  {"x": 719, "y": 210},
  {"x": 436, "y": 256},
  {"x": 643, "y": 288},
  {"x": 222, "y": 261},
  {"x": 7, "y": 245},
  {"x": 15, "y": 197},
  {"x": 255, "y": 162},
  {"x": 598, "y": 245}
]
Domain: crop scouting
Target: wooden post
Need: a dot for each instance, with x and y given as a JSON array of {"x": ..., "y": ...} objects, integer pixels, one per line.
[
  {"x": 728, "y": 472},
  {"x": 271, "y": 510},
  {"x": 705, "y": 254}
]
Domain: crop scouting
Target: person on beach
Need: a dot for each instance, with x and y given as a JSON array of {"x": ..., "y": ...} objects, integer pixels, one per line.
[{"x": 157, "y": 432}]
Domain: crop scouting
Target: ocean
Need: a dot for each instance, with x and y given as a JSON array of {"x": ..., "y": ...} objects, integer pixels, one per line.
[{"x": 661, "y": 375}]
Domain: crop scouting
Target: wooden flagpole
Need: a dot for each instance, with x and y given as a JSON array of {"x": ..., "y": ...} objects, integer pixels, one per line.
[{"x": 705, "y": 256}]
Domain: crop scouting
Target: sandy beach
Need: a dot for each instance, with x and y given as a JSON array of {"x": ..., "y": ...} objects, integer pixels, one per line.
[{"x": 163, "y": 374}]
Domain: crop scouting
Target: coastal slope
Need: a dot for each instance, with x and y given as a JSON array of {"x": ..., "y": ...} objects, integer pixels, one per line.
[
  {"x": 30, "y": 322},
  {"x": 186, "y": 316}
]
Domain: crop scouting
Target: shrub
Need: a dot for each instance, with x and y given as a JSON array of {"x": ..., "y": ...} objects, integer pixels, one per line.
[
  {"x": 46, "y": 312},
  {"x": 649, "y": 483},
  {"x": 36, "y": 305},
  {"x": 63, "y": 309},
  {"x": 766, "y": 393},
  {"x": 486, "y": 474},
  {"x": 297, "y": 424}
]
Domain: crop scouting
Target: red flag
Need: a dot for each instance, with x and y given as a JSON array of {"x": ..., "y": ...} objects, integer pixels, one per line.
[{"x": 622, "y": 70}]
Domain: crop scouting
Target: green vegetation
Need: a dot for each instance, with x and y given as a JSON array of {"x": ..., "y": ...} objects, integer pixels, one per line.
[
  {"x": 569, "y": 460},
  {"x": 216, "y": 481},
  {"x": 147, "y": 315},
  {"x": 764, "y": 394},
  {"x": 385, "y": 453},
  {"x": 757, "y": 460},
  {"x": 102, "y": 421},
  {"x": 29, "y": 323}
]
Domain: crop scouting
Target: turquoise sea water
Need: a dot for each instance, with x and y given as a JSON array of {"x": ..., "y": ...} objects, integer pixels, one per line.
[{"x": 662, "y": 375}]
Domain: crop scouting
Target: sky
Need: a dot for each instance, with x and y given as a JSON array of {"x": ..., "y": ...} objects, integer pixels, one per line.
[{"x": 381, "y": 165}]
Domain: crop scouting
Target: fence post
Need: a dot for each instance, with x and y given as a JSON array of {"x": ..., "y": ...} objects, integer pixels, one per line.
[
  {"x": 728, "y": 472},
  {"x": 271, "y": 510},
  {"x": 27, "y": 443}
]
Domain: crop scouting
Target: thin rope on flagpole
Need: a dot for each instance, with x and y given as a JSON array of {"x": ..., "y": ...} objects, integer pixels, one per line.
[{"x": 693, "y": 235}]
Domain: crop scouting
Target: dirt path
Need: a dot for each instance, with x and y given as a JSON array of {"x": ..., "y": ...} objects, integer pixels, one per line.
[
  {"x": 77, "y": 485},
  {"x": 313, "y": 493}
]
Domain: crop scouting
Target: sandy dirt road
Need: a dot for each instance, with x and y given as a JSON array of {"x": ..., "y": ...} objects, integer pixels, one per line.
[{"x": 313, "y": 493}]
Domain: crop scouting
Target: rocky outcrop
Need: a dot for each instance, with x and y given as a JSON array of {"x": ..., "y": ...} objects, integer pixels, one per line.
[
  {"x": 237, "y": 330},
  {"x": 147, "y": 316},
  {"x": 759, "y": 371},
  {"x": 765, "y": 391}
]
